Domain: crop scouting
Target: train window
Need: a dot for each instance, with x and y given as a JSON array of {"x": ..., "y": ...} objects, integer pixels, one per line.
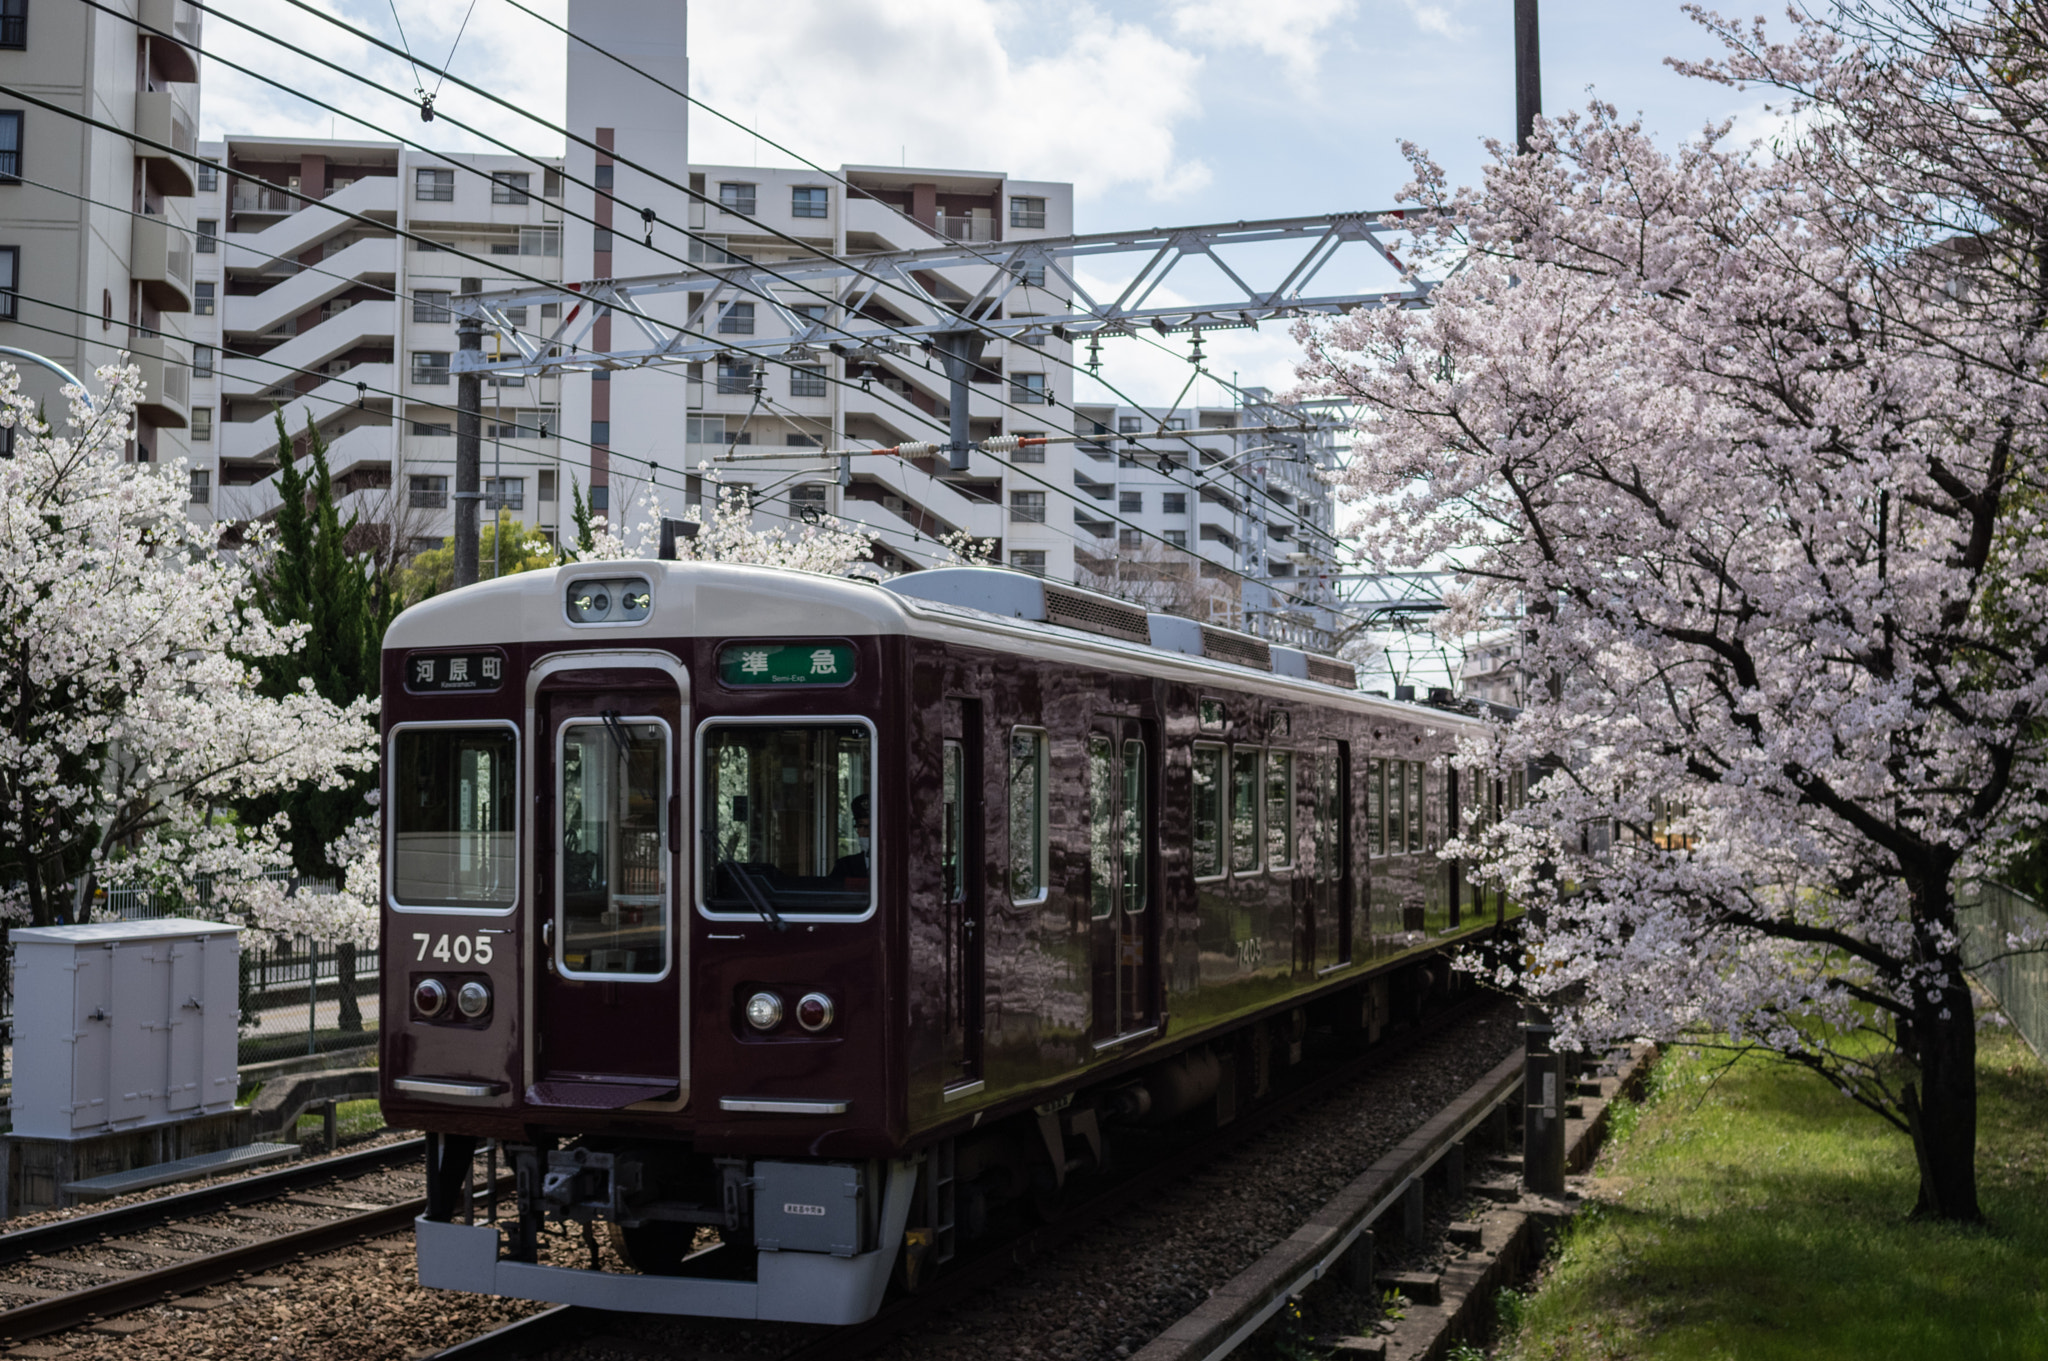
[
  {"x": 789, "y": 816},
  {"x": 1375, "y": 808},
  {"x": 1244, "y": 809},
  {"x": 1279, "y": 809},
  {"x": 1101, "y": 828},
  {"x": 454, "y": 810},
  {"x": 1135, "y": 830},
  {"x": 1027, "y": 815},
  {"x": 1415, "y": 806},
  {"x": 611, "y": 893},
  {"x": 1397, "y": 807},
  {"x": 951, "y": 788},
  {"x": 1208, "y": 812}
]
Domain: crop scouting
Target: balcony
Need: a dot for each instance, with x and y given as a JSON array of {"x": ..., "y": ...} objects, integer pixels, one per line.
[
  {"x": 966, "y": 226},
  {"x": 177, "y": 56},
  {"x": 160, "y": 259},
  {"x": 160, "y": 118},
  {"x": 166, "y": 381}
]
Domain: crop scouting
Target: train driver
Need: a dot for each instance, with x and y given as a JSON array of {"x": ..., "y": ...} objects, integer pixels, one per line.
[{"x": 852, "y": 870}]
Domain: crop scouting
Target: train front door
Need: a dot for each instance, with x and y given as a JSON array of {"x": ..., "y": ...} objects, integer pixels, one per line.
[
  {"x": 1122, "y": 864},
  {"x": 610, "y": 977}
]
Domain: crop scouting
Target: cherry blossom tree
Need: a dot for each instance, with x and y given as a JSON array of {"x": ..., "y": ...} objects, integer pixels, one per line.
[
  {"x": 1749, "y": 441},
  {"x": 728, "y": 534},
  {"x": 132, "y": 719}
]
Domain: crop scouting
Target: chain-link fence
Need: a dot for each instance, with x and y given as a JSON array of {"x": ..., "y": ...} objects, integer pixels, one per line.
[{"x": 1993, "y": 917}]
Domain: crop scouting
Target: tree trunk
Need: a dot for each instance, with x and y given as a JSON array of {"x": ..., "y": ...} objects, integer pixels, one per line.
[{"x": 1942, "y": 1108}]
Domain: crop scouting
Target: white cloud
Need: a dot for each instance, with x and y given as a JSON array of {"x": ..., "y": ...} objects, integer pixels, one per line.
[
  {"x": 948, "y": 83},
  {"x": 1291, "y": 30}
]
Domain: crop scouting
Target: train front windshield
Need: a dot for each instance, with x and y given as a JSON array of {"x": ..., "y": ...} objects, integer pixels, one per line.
[{"x": 788, "y": 821}]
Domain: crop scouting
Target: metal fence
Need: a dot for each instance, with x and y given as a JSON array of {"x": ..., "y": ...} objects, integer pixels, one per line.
[
  {"x": 298, "y": 996},
  {"x": 1991, "y": 916}
]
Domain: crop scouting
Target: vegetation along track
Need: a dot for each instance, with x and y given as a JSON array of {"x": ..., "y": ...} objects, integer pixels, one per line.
[
  {"x": 583, "y": 1333},
  {"x": 84, "y": 1268}
]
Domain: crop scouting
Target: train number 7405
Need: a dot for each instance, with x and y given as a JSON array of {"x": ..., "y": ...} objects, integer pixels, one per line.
[{"x": 454, "y": 949}]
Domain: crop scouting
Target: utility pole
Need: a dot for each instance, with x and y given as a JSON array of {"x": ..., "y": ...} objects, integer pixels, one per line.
[
  {"x": 469, "y": 430},
  {"x": 961, "y": 353},
  {"x": 1528, "y": 73}
]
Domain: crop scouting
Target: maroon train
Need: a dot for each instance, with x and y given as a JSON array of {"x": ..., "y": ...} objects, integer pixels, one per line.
[{"x": 819, "y": 919}]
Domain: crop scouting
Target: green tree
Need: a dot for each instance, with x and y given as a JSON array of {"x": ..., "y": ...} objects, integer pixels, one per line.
[
  {"x": 586, "y": 537},
  {"x": 506, "y": 544}
]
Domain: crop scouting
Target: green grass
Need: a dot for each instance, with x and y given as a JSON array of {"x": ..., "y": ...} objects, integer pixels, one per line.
[
  {"x": 352, "y": 1117},
  {"x": 1758, "y": 1215}
]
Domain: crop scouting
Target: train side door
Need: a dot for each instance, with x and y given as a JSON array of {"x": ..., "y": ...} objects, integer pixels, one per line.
[
  {"x": 1333, "y": 883},
  {"x": 610, "y": 978},
  {"x": 963, "y": 875},
  {"x": 1122, "y": 788}
]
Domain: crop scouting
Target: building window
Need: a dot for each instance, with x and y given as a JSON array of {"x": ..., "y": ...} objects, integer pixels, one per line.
[
  {"x": 737, "y": 319},
  {"x": 546, "y": 493},
  {"x": 1027, "y": 212},
  {"x": 14, "y": 23},
  {"x": 604, "y": 176},
  {"x": 202, "y": 361},
  {"x": 430, "y": 367},
  {"x": 434, "y": 186},
  {"x": 807, "y": 380},
  {"x": 431, "y": 304},
  {"x": 737, "y": 198},
  {"x": 1030, "y": 453},
  {"x": 600, "y": 497},
  {"x": 1177, "y": 537},
  {"x": 202, "y": 423},
  {"x": 209, "y": 236},
  {"x": 600, "y": 432},
  {"x": 10, "y": 144},
  {"x": 1030, "y": 275},
  {"x": 1130, "y": 503},
  {"x": 735, "y": 375},
  {"x": 202, "y": 300},
  {"x": 432, "y": 429},
  {"x": 1129, "y": 425},
  {"x": 1129, "y": 539},
  {"x": 551, "y": 183},
  {"x": 515, "y": 317},
  {"x": 1027, "y": 507},
  {"x": 808, "y": 496},
  {"x": 540, "y": 240},
  {"x": 505, "y": 493},
  {"x": 426, "y": 247},
  {"x": 199, "y": 486},
  {"x": 601, "y": 240},
  {"x": 1028, "y": 388},
  {"x": 1029, "y": 560},
  {"x": 807, "y": 203},
  {"x": 509, "y": 186},
  {"x": 1174, "y": 503},
  {"x": 428, "y": 493},
  {"x": 209, "y": 177},
  {"x": 504, "y": 248},
  {"x": 812, "y": 312}
]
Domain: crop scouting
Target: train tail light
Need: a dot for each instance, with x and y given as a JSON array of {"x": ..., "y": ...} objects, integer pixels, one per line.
[
  {"x": 473, "y": 998},
  {"x": 815, "y": 1011},
  {"x": 430, "y": 997}
]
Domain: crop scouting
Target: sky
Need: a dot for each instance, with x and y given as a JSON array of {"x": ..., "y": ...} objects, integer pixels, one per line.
[{"x": 1159, "y": 112}]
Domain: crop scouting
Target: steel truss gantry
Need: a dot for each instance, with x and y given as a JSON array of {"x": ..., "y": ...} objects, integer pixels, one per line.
[{"x": 934, "y": 295}]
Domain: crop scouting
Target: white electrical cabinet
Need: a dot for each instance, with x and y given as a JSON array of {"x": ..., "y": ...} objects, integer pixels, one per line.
[{"x": 121, "y": 1025}]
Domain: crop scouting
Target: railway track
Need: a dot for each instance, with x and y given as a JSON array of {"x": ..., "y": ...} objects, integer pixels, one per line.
[
  {"x": 325, "y": 1204},
  {"x": 969, "y": 1278}
]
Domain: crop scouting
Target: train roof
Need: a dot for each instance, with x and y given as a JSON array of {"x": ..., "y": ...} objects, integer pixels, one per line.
[{"x": 985, "y": 606}]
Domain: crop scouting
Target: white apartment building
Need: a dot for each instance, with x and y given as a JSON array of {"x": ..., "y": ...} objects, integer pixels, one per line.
[
  {"x": 96, "y": 250},
  {"x": 1247, "y": 518}
]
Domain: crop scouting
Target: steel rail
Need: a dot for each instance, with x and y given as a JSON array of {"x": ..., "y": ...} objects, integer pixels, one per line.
[
  {"x": 100, "y": 1225},
  {"x": 537, "y": 1332}
]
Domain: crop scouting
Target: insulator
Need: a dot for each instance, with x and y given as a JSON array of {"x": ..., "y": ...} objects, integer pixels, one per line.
[
  {"x": 1001, "y": 444},
  {"x": 916, "y": 450}
]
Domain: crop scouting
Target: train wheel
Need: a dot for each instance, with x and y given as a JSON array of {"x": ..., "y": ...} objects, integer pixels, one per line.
[{"x": 655, "y": 1249}]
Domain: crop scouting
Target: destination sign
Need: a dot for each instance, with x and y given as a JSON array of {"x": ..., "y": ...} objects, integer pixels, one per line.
[
  {"x": 785, "y": 664},
  {"x": 445, "y": 672}
]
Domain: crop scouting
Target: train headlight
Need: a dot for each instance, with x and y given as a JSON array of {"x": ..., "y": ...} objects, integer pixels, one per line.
[
  {"x": 764, "y": 1011},
  {"x": 814, "y": 1012},
  {"x": 430, "y": 997},
  {"x": 473, "y": 998}
]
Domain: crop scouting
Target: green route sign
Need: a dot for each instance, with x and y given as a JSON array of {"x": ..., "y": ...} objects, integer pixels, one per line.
[{"x": 785, "y": 664}]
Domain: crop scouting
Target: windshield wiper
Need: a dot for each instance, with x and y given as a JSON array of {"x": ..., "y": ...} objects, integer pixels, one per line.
[{"x": 756, "y": 899}]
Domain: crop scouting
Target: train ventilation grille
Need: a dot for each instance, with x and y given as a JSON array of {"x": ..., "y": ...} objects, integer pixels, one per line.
[
  {"x": 1241, "y": 648},
  {"x": 1330, "y": 671},
  {"x": 1094, "y": 614}
]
